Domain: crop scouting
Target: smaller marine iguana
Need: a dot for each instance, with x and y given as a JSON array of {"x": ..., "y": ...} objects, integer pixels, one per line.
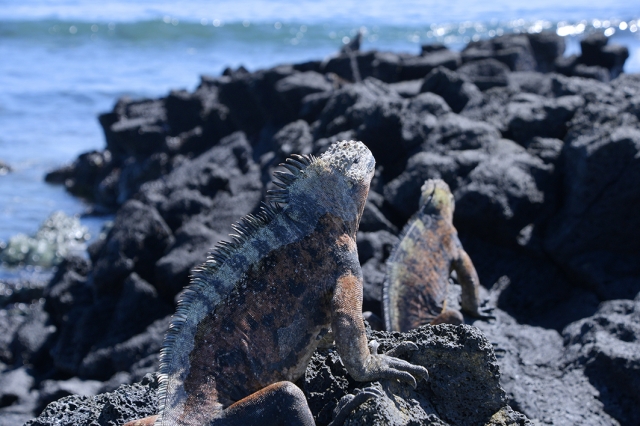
[
  {"x": 415, "y": 289},
  {"x": 256, "y": 310}
]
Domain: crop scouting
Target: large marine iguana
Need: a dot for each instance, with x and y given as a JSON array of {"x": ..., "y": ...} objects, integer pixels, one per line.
[
  {"x": 415, "y": 289},
  {"x": 255, "y": 311}
]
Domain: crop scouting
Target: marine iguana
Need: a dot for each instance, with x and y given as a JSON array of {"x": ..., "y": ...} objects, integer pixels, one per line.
[
  {"x": 256, "y": 309},
  {"x": 418, "y": 270}
]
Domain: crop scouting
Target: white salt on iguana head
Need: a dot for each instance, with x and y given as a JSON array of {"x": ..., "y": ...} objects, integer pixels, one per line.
[
  {"x": 437, "y": 197},
  {"x": 337, "y": 182}
]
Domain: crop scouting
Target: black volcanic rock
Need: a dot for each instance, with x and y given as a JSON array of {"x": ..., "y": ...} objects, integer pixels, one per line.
[
  {"x": 608, "y": 343},
  {"x": 254, "y": 100},
  {"x": 453, "y": 88},
  {"x": 114, "y": 408},
  {"x": 514, "y": 50},
  {"x": 193, "y": 240},
  {"x": 597, "y": 52},
  {"x": 373, "y": 112},
  {"x": 540, "y": 151},
  {"x": 547, "y": 47},
  {"x": 139, "y": 238},
  {"x": 598, "y": 60},
  {"x": 295, "y": 87},
  {"x": 453, "y": 354},
  {"x": 184, "y": 111},
  {"x": 486, "y": 73},
  {"x": 586, "y": 237}
]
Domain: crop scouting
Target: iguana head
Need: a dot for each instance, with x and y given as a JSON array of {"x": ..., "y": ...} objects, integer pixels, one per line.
[
  {"x": 436, "y": 197},
  {"x": 348, "y": 167},
  {"x": 337, "y": 182},
  {"x": 351, "y": 159}
]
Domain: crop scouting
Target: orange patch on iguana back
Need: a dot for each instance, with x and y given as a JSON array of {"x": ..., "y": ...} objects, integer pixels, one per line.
[{"x": 268, "y": 328}]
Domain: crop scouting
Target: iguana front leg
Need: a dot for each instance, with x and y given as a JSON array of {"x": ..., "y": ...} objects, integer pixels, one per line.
[
  {"x": 470, "y": 283},
  {"x": 351, "y": 340}
]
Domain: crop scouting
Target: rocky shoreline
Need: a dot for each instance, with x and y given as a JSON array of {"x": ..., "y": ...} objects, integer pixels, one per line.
[{"x": 541, "y": 152}]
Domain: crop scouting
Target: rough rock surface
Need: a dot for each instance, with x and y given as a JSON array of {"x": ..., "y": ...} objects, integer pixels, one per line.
[
  {"x": 539, "y": 150},
  {"x": 463, "y": 388}
]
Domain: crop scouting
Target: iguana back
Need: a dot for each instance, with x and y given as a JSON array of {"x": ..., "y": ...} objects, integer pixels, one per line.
[{"x": 418, "y": 269}]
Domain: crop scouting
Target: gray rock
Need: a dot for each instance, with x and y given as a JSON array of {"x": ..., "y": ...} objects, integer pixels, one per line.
[
  {"x": 547, "y": 46},
  {"x": 594, "y": 71},
  {"x": 416, "y": 67},
  {"x": 184, "y": 111},
  {"x": 139, "y": 237},
  {"x": 504, "y": 194},
  {"x": 407, "y": 89},
  {"x": 374, "y": 112},
  {"x": 293, "y": 89},
  {"x": 34, "y": 336},
  {"x": 10, "y": 321},
  {"x": 535, "y": 378},
  {"x": 596, "y": 52},
  {"x": 607, "y": 344},
  {"x": 601, "y": 177},
  {"x": 138, "y": 307},
  {"x": 109, "y": 409},
  {"x": 403, "y": 192},
  {"x": 223, "y": 184},
  {"x": 514, "y": 50},
  {"x": 294, "y": 138},
  {"x": 531, "y": 82},
  {"x": 52, "y": 390},
  {"x": 253, "y": 99},
  {"x": 486, "y": 73},
  {"x": 463, "y": 388},
  {"x": 18, "y": 401},
  {"x": 530, "y": 115},
  {"x": 15, "y": 386},
  {"x": 456, "y": 90},
  {"x": 193, "y": 241},
  {"x": 373, "y": 250}
]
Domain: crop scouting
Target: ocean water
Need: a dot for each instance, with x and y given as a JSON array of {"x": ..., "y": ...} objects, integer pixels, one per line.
[{"x": 64, "y": 62}]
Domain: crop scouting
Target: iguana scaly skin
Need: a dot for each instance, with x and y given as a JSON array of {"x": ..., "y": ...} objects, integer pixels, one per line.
[
  {"x": 419, "y": 267},
  {"x": 256, "y": 310}
]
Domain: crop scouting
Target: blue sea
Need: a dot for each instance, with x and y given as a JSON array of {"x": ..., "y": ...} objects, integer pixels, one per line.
[{"x": 64, "y": 62}]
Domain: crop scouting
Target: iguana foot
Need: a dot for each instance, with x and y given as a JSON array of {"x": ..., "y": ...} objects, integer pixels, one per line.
[
  {"x": 484, "y": 312},
  {"x": 385, "y": 366},
  {"x": 350, "y": 402}
]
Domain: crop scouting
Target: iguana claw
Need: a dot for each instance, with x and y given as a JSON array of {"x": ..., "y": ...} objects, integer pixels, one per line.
[
  {"x": 350, "y": 402},
  {"x": 389, "y": 366}
]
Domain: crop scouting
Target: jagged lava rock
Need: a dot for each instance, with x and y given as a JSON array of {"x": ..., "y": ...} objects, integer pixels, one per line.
[
  {"x": 109, "y": 409},
  {"x": 463, "y": 388},
  {"x": 608, "y": 345}
]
